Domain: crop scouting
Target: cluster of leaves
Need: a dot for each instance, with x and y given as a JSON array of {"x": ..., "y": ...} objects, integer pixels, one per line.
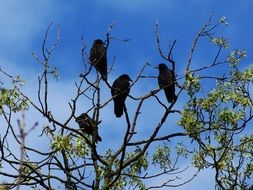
[
  {"x": 28, "y": 169},
  {"x": 221, "y": 42},
  {"x": 192, "y": 83},
  {"x": 162, "y": 158},
  {"x": 214, "y": 122},
  {"x": 75, "y": 147},
  {"x": 12, "y": 99},
  {"x": 4, "y": 187},
  {"x": 129, "y": 177}
]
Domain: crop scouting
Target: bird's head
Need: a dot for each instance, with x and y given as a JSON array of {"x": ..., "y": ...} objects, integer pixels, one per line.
[
  {"x": 81, "y": 117},
  {"x": 98, "y": 42},
  {"x": 162, "y": 67},
  {"x": 126, "y": 77}
]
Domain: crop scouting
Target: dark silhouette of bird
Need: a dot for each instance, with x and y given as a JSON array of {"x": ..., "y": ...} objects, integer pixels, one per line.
[
  {"x": 166, "y": 80},
  {"x": 98, "y": 57},
  {"x": 88, "y": 126},
  {"x": 120, "y": 89}
]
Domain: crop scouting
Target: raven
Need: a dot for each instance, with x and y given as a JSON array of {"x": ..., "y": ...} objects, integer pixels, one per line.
[
  {"x": 98, "y": 57},
  {"x": 166, "y": 80},
  {"x": 120, "y": 90},
  {"x": 88, "y": 126}
]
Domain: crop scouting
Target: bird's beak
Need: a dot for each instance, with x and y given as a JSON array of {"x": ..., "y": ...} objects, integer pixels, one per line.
[
  {"x": 156, "y": 67},
  {"x": 131, "y": 80}
]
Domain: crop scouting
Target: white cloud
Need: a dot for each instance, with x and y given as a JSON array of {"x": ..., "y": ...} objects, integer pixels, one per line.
[{"x": 20, "y": 21}]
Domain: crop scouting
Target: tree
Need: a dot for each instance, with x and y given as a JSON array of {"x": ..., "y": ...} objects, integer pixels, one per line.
[{"x": 211, "y": 130}]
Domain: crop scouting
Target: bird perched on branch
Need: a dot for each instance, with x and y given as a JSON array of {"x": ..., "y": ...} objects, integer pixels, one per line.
[
  {"x": 120, "y": 90},
  {"x": 166, "y": 80},
  {"x": 98, "y": 57},
  {"x": 88, "y": 126}
]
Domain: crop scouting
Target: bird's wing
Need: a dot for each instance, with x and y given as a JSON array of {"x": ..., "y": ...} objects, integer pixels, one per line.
[
  {"x": 116, "y": 87},
  {"x": 125, "y": 86},
  {"x": 98, "y": 53},
  {"x": 101, "y": 51},
  {"x": 93, "y": 54},
  {"x": 84, "y": 120},
  {"x": 165, "y": 78}
]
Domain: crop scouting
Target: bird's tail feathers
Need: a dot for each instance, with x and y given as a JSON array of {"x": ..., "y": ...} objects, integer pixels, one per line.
[
  {"x": 170, "y": 95},
  {"x": 171, "y": 99},
  {"x": 118, "y": 109},
  {"x": 104, "y": 77}
]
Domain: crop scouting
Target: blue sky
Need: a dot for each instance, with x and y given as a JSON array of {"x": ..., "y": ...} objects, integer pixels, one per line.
[{"x": 23, "y": 24}]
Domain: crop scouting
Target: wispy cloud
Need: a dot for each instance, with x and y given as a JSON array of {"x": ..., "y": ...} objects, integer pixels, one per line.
[{"x": 18, "y": 22}]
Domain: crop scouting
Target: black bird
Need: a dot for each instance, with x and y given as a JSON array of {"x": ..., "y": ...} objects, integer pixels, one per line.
[
  {"x": 120, "y": 89},
  {"x": 98, "y": 57},
  {"x": 166, "y": 80},
  {"x": 88, "y": 126}
]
